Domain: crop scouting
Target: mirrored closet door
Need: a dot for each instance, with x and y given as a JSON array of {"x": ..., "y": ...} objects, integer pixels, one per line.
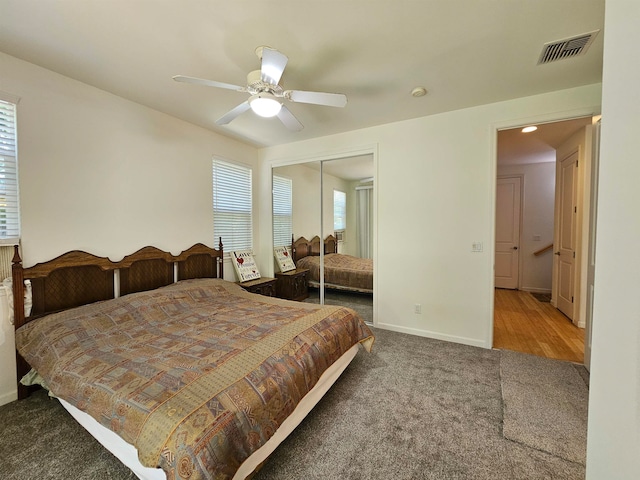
[
  {"x": 328, "y": 208},
  {"x": 348, "y": 186},
  {"x": 297, "y": 200}
]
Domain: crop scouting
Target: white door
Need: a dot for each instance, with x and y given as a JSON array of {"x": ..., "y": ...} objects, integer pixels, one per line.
[
  {"x": 507, "y": 232},
  {"x": 591, "y": 262},
  {"x": 566, "y": 250}
]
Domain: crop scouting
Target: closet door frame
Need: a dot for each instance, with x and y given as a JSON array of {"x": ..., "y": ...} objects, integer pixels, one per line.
[{"x": 337, "y": 155}]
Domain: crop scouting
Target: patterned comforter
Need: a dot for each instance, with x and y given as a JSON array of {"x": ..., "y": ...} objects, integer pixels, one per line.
[
  {"x": 197, "y": 375},
  {"x": 341, "y": 270}
]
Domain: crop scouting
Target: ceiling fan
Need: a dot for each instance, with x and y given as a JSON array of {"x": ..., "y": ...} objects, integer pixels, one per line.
[{"x": 266, "y": 93}]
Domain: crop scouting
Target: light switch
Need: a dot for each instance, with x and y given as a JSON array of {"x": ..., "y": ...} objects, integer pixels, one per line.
[{"x": 476, "y": 247}]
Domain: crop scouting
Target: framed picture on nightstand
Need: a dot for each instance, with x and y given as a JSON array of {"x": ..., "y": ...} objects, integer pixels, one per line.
[
  {"x": 245, "y": 265},
  {"x": 284, "y": 258}
]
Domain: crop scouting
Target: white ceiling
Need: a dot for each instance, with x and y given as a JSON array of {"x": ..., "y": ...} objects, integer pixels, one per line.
[
  {"x": 516, "y": 147},
  {"x": 465, "y": 52},
  {"x": 351, "y": 169}
]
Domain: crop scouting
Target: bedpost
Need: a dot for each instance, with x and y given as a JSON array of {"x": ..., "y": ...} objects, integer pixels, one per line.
[
  {"x": 17, "y": 276},
  {"x": 293, "y": 248},
  {"x": 220, "y": 259}
]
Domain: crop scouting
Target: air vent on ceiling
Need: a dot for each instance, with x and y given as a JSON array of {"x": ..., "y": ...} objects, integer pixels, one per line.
[{"x": 567, "y": 48}]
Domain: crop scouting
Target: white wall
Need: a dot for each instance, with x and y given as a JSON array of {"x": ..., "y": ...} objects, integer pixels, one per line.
[
  {"x": 613, "y": 446},
  {"x": 435, "y": 196},
  {"x": 105, "y": 175},
  {"x": 537, "y": 220}
]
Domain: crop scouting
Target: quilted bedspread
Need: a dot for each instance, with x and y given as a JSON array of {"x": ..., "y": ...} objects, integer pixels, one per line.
[
  {"x": 342, "y": 270},
  {"x": 197, "y": 375}
]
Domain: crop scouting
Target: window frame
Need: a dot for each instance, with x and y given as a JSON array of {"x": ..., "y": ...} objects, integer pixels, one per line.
[
  {"x": 232, "y": 236},
  {"x": 9, "y": 123},
  {"x": 343, "y": 227},
  {"x": 285, "y": 236}
]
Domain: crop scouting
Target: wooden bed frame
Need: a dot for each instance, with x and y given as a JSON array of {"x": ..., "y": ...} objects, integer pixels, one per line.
[
  {"x": 79, "y": 278},
  {"x": 302, "y": 247}
]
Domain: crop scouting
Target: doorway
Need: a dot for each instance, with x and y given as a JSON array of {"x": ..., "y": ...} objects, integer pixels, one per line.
[
  {"x": 527, "y": 271},
  {"x": 566, "y": 248},
  {"x": 508, "y": 213}
]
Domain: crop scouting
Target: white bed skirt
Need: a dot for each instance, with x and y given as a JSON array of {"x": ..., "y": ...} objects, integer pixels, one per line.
[{"x": 128, "y": 454}]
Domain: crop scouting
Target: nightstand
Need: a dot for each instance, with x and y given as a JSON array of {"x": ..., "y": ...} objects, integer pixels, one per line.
[
  {"x": 293, "y": 285},
  {"x": 263, "y": 286}
]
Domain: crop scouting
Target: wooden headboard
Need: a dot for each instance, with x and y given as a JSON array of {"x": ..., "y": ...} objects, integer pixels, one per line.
[
  {"x": 303, "y": 248},
  {"x": 79, "y": 278}
]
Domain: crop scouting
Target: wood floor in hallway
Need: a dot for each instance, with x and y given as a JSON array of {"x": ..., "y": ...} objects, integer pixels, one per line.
[{"x": 524, "y": 324}]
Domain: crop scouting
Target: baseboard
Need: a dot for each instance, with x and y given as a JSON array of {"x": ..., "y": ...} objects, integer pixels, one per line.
[
  {"x": 8, "y": 397},
  {"x": 536, "y": 290},
  {"x": 435, "y": 335}
]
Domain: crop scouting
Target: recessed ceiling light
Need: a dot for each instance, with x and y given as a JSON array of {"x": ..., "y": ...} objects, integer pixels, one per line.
[{"x": 532, "y": 128}]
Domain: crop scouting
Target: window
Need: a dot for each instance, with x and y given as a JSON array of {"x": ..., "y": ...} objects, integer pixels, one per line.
[
  {"x": 282, "y": 211},
  {"x": 9, "y": 211},
  {"x": 339, "y": 210},
  {"x": 232, "y": 205}
]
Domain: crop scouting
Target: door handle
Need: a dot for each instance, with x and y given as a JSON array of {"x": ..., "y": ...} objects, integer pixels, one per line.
[
  {"x": 515, "y": 248},
  {"x": 556, "y": 253}
]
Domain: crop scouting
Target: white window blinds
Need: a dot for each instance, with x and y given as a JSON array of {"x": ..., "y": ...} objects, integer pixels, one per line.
[
  {"x": 9, "y": 211},
  {"x": 282, "y": 211},
  {"x": 232, "y": 205},
  {"x": 339, "y": 210}
]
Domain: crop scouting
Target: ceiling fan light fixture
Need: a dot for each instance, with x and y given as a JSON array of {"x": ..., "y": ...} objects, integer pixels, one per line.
[
  {"x": 267, "y": 97},
  {"x": 265, "y": 105}
]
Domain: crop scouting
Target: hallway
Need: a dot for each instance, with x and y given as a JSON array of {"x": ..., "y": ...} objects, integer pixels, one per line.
[{"x": 524, "y": 324}]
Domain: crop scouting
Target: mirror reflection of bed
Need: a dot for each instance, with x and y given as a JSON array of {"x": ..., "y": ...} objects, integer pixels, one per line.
[
  {"x": 347, "y": 229},
  {"x": 348, "y": 280}
]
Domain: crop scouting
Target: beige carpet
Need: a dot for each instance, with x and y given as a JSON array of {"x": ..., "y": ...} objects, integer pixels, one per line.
[
  {"x": 545, "y": 405},
  {"x": 413, "y": 409}
]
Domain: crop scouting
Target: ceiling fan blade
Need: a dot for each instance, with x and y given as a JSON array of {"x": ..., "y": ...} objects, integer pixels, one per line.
[
  {"x": 273, "y": 63},
  {"x": 208, "y": 83},
  {"x": 317, "y": 98},
  {"x": 231, "y": 114},
  {"x": 289, "y": 120}
]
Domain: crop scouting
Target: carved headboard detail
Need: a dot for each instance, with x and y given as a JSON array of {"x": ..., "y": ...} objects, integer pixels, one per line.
[
  {"x": 303, "y": 248},
  {"x": 79, "y": 278}
]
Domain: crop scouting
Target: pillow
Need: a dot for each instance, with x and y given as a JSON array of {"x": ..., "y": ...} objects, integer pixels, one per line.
[
  {"x": 7, "y": 283},
  {"x": 34, "y": 378}
]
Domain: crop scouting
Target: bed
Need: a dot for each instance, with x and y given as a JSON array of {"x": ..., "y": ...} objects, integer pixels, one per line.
[
  {"x": 170, "y": 366},
  {"x": 341, "y": 272}
]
